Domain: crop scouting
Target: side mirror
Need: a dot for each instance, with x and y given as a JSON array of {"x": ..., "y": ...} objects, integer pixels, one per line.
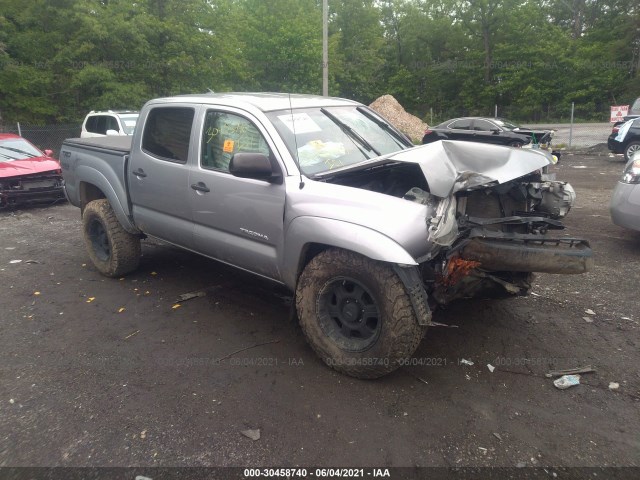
[
  {"x": 495, "y": 131},
  {"x": 48, "y": 153},
  {"x": 112, "y": 133},
  {"x": 256, "y": 166}
]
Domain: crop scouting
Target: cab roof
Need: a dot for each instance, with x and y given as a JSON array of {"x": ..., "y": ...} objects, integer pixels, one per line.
[{"x": 265, "y": 101}]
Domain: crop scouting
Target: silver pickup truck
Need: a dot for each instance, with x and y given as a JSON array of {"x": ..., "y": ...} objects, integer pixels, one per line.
[{"x": 323, "y": 196}]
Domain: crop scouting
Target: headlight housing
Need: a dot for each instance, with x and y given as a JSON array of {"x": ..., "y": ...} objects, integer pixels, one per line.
[{"x": 631, "y": 172}]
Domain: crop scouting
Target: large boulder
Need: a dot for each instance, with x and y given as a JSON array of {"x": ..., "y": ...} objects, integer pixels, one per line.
[{"x": 410, "y": 125}]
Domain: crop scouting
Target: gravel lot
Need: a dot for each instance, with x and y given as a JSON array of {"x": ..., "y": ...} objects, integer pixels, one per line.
[{"x": 102, "y": 372}]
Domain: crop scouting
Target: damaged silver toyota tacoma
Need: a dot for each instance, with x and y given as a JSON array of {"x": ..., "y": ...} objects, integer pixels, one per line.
[{"x": 323, "y": 196}]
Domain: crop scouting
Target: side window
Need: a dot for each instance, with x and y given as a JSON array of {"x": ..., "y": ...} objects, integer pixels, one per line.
[
  {"x": 462, "y": 124},
  {"x": 101, "y": 126},
  {"x": 167, "y": 132},
  {"x": 112, "y": 124},
  {"x": 483, "y": 125},
  {"x": 225, "y": 134},
  {"x": 92, "y": 124}
]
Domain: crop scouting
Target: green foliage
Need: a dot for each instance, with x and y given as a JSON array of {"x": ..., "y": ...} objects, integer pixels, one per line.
[{"x": 61, "y": 58}]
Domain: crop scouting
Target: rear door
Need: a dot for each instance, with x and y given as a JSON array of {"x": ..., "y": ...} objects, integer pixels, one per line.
[
  {"x": 158, "y": 173},
  {"x": 236, "y": 220}
]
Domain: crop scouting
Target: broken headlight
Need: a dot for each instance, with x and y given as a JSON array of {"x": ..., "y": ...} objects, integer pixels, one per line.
[{"x": 631, "y": 172}]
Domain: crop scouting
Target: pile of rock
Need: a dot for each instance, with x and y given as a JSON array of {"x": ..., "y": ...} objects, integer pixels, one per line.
[{"x": 410, "y": 125}]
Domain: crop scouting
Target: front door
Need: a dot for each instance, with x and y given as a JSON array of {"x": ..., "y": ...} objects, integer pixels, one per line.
[{"x": 236, "y": 220}]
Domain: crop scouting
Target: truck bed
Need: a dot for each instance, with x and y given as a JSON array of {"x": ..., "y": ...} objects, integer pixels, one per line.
[
  {"x": 102, "y": 163},
  {"x": 121, "y": 144}
]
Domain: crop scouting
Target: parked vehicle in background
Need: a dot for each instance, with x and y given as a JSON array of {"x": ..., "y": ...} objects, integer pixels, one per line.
[
  {"x": 625, "y": 138},
  {"x": 27, "y": 175},
  {"x": 634, "y": 112},
  {"x": 109, "y": 123},
  {"x": 625, "y": 200},
  {"x": 488, "y": 130},
  {"x": 325, "y": 197}
]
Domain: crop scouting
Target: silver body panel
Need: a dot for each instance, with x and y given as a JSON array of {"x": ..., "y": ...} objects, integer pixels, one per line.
[{"x": 625, "y": 205}]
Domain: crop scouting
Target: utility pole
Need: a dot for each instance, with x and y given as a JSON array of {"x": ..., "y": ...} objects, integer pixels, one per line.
[{"x": 325, "y": 48}]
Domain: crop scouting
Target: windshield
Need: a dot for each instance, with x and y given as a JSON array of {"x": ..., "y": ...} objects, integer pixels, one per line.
[
  {"x": 129, "y": 123},
  {"x": 333, "y": 137},
  {"x": 506, "y": 124},
  {"x": 17, "y": 149}
]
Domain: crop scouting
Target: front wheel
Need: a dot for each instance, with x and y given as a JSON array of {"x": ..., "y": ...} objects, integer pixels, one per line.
[
  {"x": 356, "y": 314},
  {"x": 632, "y": 148},
  {"x": 112, "y": 249}
]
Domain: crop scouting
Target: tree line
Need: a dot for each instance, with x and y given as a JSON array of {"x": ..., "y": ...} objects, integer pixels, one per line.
[{"x": 532, "y": 58}]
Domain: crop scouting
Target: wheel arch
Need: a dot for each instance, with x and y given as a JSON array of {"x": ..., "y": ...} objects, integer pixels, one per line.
[
  {"x": 94, "y": 186},
  {"x": 329, "y": 233}
]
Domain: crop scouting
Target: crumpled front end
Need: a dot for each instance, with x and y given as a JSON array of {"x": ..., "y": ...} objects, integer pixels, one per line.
[
  {"x": 504, "y": 234},
  {"x": 493, "y": 216},
  {"x": 30, "y": 189}
]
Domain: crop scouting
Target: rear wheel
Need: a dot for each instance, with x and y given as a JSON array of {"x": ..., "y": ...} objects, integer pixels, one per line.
[
  {"x": 632, "y": 148},
  {"x": 356, "y": 314},
  {"x": 112, "y": 249}
]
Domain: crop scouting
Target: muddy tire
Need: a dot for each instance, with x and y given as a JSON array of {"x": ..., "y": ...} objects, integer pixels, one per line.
[
  {"x": 112, "y": 249},
  {"x": 356, "y": 314}
]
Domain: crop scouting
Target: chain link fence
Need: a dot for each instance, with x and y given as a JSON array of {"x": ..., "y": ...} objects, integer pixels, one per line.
[{"x": 44, "y": 136}]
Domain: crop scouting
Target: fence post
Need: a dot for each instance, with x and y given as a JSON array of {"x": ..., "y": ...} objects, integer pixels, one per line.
[
  {"x": 431, "y": 116},
  {"x": 495, "y": 112},
  {"x": 19, "y": 131},
  {"x": 571, "y": 125}
]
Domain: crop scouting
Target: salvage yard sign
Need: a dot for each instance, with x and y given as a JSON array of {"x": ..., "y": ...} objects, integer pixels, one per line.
[{"x": 618, "y": 112}]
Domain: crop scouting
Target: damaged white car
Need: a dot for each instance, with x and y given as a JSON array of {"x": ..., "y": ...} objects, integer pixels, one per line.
[{"x": 322, "y": 195}]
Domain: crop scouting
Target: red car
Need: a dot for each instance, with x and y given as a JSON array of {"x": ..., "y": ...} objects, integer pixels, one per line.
[{"x": 27, "y": 175}]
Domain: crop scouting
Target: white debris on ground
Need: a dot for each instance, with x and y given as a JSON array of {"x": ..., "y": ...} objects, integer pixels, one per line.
[{"x": 410, "y": 125}]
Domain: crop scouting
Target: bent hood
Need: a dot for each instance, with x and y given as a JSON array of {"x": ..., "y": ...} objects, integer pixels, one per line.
[
  {"x": 17, "y": 168},
  {"x": 450, "y": 166}
]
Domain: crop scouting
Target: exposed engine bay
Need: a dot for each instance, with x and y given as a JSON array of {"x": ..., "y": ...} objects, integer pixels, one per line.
[{"x": 488, "y": 236}]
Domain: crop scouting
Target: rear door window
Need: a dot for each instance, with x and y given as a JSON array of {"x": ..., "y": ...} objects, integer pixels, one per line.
[
  {"x": 483, "y": 126},
  {"x": 92, "y": 124},
  {"x": 167, "y": 132},
  {"x": 462, "y": 124},
  {"x": 111, "y": 123}
]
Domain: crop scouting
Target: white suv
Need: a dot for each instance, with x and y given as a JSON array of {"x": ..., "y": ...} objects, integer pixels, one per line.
[{"x": 110, "y": 122}]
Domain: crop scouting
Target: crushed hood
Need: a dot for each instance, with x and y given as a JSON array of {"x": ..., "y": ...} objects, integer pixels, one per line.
[
  {"x": 450, "y": 166},
  {"x": 17, "y": 168}
]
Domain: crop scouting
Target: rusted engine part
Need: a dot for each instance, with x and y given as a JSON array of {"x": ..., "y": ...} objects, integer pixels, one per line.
[
  {"x": 458, "y": 268},
  {"x": 458, "y": 278}
]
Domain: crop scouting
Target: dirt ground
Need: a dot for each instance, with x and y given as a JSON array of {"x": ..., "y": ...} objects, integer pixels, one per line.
[{"x": 108, "y": 372}]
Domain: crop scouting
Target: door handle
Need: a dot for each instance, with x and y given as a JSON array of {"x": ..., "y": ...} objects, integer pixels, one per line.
[
  {"x": 139, "y": 173},
  {"x": 200, "y": 187}
]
